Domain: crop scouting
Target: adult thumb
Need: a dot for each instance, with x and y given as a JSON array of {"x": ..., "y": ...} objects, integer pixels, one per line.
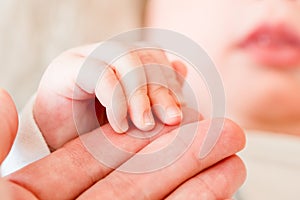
[{"x": 8, "y": 123}]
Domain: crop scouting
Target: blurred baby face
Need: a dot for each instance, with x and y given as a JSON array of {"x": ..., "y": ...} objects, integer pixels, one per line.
[{"x": 256, "y": 47}]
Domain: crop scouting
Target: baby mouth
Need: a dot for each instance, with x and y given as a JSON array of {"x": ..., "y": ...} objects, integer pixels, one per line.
[{"x": 273, "y": 46}]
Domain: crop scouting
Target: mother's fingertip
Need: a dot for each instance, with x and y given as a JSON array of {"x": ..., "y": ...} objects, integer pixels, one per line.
[
  {"x": 234, "y": 132},
  {"x": 234, "y": 172},
  {"x": 224, "y": 133},
  {"x": 242, "y": 168}
]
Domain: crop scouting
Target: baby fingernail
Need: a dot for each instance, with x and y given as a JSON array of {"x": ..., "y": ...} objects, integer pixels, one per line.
[
  {"x": 173, "y": 115},
  {"x": 123, "y": 126},
  {"x": 148, "y": 122}
]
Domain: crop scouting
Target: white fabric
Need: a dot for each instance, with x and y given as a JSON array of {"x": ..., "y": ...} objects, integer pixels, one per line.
[
  {"x": 29, "y": 144},
  {"x": 273, "y": 167}
]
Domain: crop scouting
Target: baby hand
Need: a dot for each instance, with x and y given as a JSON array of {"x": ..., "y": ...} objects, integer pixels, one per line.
[{"x": 136, "y": 86}]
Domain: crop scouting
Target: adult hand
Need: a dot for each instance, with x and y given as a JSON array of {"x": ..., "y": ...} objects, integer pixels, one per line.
[
  {"x": 73, "y": 172},
  {"x": 8, "y": 130},
  {"x": 8, "y": 123}
]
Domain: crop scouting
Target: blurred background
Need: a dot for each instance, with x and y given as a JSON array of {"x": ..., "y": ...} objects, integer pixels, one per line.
[{"x": 34, "y": 32}]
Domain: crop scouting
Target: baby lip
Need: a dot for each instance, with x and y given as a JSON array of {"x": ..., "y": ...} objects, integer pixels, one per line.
[
  {"x": 273, "y": 46},
  {"x": 272, "y": 36}
]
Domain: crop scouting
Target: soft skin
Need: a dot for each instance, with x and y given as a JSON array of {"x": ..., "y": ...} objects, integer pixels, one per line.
[
  {"x": 260, "y": 95},
  {"x": 62, "y": 95},
  {"x": 72, "y": 171}
]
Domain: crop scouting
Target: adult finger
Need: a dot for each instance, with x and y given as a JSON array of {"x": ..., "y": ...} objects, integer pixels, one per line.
[
  {"x": 74, "y": 167},
  {"x": 164, "y": 104},
  {"x": 8, "y": 123},
  {"x": 169, "y": 177},
  {"x": 220, "y": 181},
  {"x": 12, "y": 191}
]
